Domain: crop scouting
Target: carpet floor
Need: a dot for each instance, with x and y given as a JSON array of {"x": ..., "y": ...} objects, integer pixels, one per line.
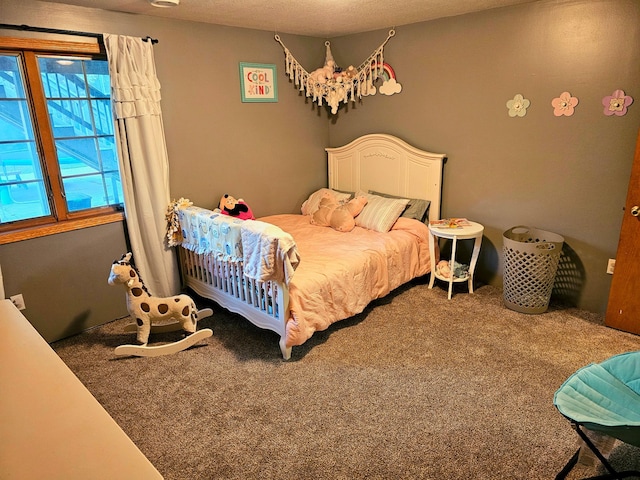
[{"x": 415, "y": 387}]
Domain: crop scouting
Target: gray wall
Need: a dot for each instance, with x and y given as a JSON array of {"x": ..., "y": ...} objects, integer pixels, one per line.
[
  {"x": 63, "y": 279},
  {"x": 567, "y": 175},
  {"x": 216, "y": 145}
]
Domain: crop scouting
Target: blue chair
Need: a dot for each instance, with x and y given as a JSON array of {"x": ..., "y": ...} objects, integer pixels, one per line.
[{"x": 605, "y": 398}]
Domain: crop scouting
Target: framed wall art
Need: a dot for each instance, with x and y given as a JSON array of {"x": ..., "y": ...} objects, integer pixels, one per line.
[{"x": 258, "y": 82}]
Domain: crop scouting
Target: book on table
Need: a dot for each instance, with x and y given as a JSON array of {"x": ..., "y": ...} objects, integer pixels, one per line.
[{"x": 450, "y": 223}]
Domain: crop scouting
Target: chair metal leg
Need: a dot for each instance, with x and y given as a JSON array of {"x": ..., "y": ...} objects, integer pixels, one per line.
[
  {"x": 615, "y": 476},
  {"x": 569, "y": 466},
  {"x": 612, "y": 475},
  {"x": 594, "y": 449}
]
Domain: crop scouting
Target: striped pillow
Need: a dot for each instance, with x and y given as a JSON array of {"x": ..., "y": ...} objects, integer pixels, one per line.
[
  {"x": 379, "y": 214},
  {"x": 417, "y": 208}
]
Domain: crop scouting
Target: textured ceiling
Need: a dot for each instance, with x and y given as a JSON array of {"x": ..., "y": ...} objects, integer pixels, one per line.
[{"x": 315, "y": 18}]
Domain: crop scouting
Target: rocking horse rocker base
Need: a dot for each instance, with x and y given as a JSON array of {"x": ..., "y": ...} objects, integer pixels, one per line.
[
  {"x": 169, "y": 348},
  {"x": 179, "y": 310}
]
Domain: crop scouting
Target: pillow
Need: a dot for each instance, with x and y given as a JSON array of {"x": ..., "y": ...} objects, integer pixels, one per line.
[
  {"x": 344, "y": 191},
  {"x": 380, "y": 213},
  {"x": 311, "y": 204},
  {"x": 417, "y": 208}
]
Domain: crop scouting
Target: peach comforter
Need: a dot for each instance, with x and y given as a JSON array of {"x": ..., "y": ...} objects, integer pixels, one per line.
[{"x": 341, "y": 273}]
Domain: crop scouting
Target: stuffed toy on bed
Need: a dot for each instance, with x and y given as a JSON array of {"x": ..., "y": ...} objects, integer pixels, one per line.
[
  {"x": 235, "y": 208},
  {"x": 339, "y": 216}
]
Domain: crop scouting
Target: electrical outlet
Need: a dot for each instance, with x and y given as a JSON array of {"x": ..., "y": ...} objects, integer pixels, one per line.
[
  {"x": 611, "y": 265},
  {"x": 18, "y": 301}
]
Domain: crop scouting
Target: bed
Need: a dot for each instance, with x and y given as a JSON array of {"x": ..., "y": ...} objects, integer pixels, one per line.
[{"x": 298, "y": 293}]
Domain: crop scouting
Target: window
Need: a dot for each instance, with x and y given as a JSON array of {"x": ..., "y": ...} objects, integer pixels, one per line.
[{"x": 58, "y": 158}]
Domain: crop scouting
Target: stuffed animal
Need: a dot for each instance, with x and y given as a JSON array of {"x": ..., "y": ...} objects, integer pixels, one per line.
[
  {"x": 323, "y": 74},
  {"x": 235, "y": 208},
  {"x": 443, "y": 268},
  {"x": 339, "y": 216},
  {"x": 350, "y": 72}
]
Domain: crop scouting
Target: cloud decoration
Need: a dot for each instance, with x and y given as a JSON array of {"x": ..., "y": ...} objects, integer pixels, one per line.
[
  {"x": 564, "y": 105},
  {"x": 617, "y": 103},
  {"x": 389, "y": 87},
  {"x": 518, "y": 106},
  {"x": 369, "y": 89}
]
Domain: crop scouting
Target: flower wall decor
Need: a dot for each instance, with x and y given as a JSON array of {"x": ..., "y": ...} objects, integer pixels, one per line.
[
  {"x": 564, "y": 105},
  {"x": 518, "y": 106},
  {"x": 617, "y": 103}
]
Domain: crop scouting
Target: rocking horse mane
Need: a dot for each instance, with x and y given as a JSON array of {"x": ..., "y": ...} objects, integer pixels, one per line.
[{"x": 130, "y": 263}]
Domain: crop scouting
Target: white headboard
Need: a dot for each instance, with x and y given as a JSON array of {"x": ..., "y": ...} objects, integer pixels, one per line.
[{"x": 386, "y": 164}]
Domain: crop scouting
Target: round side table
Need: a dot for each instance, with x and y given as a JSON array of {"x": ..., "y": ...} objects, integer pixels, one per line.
[{"x": 473, "y": 231}]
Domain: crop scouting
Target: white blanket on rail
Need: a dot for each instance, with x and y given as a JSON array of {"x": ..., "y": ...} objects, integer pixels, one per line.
[
  {"x": 269, "y": 253},
  {"x": 265, "y": 250},
  {"x": 206, "y": 231}
]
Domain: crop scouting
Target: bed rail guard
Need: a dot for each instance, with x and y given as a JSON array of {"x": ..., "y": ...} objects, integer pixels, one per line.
[{"x": 265, "y": 304}]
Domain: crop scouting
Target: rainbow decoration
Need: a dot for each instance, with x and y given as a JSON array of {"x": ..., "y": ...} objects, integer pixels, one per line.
[
  {"x": 387, "y": 72},
  {"x": 389, "y": 83}
]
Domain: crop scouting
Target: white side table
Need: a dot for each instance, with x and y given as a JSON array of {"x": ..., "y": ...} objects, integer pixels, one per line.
[{"x": 473, "y": 231}]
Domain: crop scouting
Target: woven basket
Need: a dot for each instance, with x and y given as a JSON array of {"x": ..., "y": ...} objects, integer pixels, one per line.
[{"x": 531, "y": 259}]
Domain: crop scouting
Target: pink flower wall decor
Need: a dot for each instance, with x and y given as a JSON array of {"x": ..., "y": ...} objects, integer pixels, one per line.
[
  {"x": 518, "y": 106},
  {"x": 617, "y": 103},
  {"x": 564, "y": 105}
]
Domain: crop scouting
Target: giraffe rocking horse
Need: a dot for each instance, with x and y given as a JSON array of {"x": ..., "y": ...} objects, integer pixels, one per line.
[{"x": 146, "y": 310}]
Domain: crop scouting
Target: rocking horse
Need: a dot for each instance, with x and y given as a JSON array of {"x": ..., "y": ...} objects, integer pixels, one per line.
[{"x": 146, "y": 310}]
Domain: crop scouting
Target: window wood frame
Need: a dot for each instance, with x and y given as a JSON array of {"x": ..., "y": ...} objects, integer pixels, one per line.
[{"x": 60, "y": 220}]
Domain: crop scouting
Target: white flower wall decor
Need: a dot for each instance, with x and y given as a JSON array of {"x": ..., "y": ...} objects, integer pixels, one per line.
[{"x": 518, "y": 106}]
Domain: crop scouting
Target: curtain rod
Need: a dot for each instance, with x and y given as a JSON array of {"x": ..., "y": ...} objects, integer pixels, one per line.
[{"x": 28, "y": 28}]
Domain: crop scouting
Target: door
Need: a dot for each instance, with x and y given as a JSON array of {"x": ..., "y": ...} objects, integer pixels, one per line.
[{"x": 623, "y": 310}]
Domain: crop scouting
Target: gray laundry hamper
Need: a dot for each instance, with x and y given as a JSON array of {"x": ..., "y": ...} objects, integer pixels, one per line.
[{"x": 531, "y": 258}]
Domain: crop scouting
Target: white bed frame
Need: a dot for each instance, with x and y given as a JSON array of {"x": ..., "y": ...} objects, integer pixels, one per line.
[{"x": 376, "y": 162}]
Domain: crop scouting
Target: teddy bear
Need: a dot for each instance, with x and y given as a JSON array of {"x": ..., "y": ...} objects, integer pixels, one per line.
[
  {"x": 350, "y": 72},
  {"x": 323, "y": 74},
  {"x": 443, "y": 269},
  {"x": 235, "y": 208},
  {"x": 339, "y": 216}
]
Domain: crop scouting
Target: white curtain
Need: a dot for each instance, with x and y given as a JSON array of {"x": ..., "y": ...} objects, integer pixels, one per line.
[{"x": 144, "y": 164}]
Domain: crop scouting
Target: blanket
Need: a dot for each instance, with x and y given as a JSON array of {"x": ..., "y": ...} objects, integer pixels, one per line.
[
  {"x": 206, "y": 231},
  {"x": 341, "y": 273},
  {"x": 269, "y": 253},
  {"x": 265, "y": 250}
]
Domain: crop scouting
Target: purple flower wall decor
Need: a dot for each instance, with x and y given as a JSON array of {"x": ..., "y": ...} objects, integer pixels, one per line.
[
  {"x": 617, "y": 103},
  {"x": 518, "y": 106},
  {"x": 564, "y": 105}
]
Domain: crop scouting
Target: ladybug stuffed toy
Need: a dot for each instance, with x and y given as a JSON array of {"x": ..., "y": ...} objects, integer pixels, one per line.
[{"x": 235, "y": 208}]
